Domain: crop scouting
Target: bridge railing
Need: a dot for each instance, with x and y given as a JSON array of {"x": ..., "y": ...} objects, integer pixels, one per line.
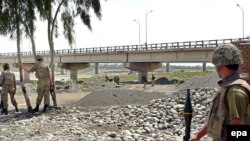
[{"x": 132, "y": 48}]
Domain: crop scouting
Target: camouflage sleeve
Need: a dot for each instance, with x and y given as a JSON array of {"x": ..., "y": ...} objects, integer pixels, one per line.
[{"x": 237, "y": 98}]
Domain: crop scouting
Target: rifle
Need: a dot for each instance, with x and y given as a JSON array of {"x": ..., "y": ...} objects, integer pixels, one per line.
[
  {"x": 52, "y": 93},
  {"x": 188, "y": 112},
  {"x": 52, "y": 89}
]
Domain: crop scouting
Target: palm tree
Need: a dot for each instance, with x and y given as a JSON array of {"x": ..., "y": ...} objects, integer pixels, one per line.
[
  {"x": 49, "y": 10},
  {"x": 11, "y": 15}
]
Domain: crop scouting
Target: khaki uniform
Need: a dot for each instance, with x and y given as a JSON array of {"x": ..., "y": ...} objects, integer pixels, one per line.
[
  {"x": 43, "y": 84},
  {"x": 236, "y": 92},
  {"x": 8, "y": 83}
]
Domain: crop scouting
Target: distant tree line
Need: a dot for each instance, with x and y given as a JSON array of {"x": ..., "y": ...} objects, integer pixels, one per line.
[{"x": 172, "y": 67}]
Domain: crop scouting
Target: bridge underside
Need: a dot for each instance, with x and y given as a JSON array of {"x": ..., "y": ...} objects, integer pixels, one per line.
[
  {"x": 73, "y": 67},
  {"x": 143, "y": 68}
]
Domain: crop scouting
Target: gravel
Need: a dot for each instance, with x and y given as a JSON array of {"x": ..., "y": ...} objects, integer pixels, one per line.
[
  {"x": 201, "y": 82},
  {"x": 112, "y": 97},
  {"x": 126, "y": 115}
]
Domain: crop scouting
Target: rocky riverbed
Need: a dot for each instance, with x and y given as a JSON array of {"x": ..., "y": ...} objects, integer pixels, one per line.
[{"x": 158, "y": 118}]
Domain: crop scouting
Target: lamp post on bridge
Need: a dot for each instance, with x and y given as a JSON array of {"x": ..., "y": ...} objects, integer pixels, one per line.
[
  {"x": 146, "y": 24},
  {"x": 75, "y": 40},
  {"x": 139, "y": 32},
  {"x": 242, "y": 19},
  {"x": 74, "y": 35}
]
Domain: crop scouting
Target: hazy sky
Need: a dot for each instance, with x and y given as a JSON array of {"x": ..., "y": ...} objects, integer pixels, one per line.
[{"x": 170, "y": 21}]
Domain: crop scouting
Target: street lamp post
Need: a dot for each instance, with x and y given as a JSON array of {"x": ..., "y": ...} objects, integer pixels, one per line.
[
  {"x": 139, "y": 32},
  {"x": 75, "y": 40},
  {"x": 242, "y": 19},
  {"x": 146, "y": 24},
  {"x": 75, "y": 35}
]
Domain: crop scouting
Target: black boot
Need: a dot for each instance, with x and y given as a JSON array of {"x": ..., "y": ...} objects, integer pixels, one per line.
[
  {"x": 5, "y": 111},
  {"x": 45, "y": 108},
  {"x": 16, "y": 108},
  {"x": 1, "y": 105},
  {"x": 30, "y": 110},
  {"x": 36, "y": 109}
]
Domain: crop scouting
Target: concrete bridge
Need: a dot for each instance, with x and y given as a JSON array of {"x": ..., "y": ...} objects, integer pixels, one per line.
[{"x": 142, "y": 58}]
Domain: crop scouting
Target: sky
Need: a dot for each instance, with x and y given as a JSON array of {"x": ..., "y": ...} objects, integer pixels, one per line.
[{"x": 169, "y": 21}]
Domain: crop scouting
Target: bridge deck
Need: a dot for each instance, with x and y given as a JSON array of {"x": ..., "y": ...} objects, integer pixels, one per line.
[
  {"x": 135, "y": 48},
  {"x": 191, "y": 51}
]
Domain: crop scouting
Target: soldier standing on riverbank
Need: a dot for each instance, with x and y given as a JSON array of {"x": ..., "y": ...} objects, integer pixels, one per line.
[
  {"x": 8, "y": 83},
  {"x": 43, "y": 83}
]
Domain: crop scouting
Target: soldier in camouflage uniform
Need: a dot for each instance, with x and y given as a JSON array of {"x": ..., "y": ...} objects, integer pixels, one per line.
[
  {"x": 43, "y": 84},
  {"x": 230, "y": 106},
  {"x": 8, "y": 83}
]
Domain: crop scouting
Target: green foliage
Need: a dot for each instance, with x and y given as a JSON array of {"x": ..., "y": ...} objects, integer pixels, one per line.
[
  {"x": 172, "y": 75},
  {"x": 68, "y": 23},
  {"x": 8, "y": 18},
  {"x": 186, "y": 75},
  {"x": 97, "y": 8},
  {"x": 80, "y": 82},
  {"x": 181, "y": 75},
  {"x": 86, "y": 19}
]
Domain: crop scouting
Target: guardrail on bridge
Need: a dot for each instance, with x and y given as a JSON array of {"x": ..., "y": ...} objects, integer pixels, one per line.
[{"x": 130, "y": 48}]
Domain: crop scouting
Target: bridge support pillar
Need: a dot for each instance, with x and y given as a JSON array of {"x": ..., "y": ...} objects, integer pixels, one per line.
[
  {"x": 143, "y": 68},
  {"x": 142, "y": 74},
  {"x": 167, "y": 67},
  {"x": 26, "y": 76},
  {"x": 73, "y": 75},
  {"x": 96, "y": 68},
  {"x": 204, "y": 66},
  {"x": 74, "y": 67},
  {"x": 62, "y": 71}
]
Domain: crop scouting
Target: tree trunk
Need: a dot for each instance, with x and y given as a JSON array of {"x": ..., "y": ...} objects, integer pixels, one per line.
[
  {"x": 33, "y": 46},
  {"x": 53, "y": 80},
  {"x": 51, "y": 44},
  {"x": 53, "y": 72},
  {"x": 19, "y": 65}
]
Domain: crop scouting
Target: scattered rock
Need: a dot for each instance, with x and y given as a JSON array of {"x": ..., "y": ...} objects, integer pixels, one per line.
[{"x": 125, "y": 115}]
